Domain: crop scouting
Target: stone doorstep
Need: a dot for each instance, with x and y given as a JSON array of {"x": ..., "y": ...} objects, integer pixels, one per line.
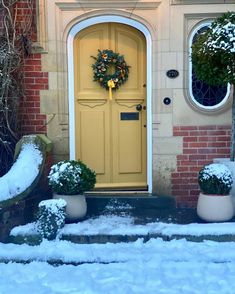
[
  {"x": 143, "y": 208},
  {"x": 102, "y": 239}
]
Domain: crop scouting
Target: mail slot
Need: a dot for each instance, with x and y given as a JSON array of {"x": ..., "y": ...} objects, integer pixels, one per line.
[{"x": 129, "y": 115}]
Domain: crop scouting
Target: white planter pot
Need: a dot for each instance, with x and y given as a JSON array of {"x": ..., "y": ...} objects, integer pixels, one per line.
[
  {"x": 215, "y": 208},
  {"x": 76, "y": 206},
  {"x": 231, "y": 165}
]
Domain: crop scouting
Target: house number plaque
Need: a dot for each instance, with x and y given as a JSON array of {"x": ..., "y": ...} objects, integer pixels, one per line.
[{"x": 172, "y": 73}]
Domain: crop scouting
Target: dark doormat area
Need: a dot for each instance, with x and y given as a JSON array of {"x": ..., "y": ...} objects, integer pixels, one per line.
[{"x": 143, "y": 209}]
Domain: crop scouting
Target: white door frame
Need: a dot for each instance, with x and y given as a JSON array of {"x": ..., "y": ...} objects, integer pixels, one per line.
[{"x": 72, "y": 33}]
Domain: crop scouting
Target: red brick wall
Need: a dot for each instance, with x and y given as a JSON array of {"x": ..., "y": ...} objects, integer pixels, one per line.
[
  {"x": 201, "y": 144},
  {"x": 35, "y": 80},
  {"x": 32, "y": 121},
  {"x": 30, "y": 118},
  {"x": 26, "y": 16}
]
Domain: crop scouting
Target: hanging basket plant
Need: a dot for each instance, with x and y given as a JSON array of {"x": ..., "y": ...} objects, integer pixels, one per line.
[{"x": 107, "y": 59}]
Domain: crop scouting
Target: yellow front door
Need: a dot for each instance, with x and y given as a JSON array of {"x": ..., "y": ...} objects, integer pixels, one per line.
[{"x": 111, "y": 134}]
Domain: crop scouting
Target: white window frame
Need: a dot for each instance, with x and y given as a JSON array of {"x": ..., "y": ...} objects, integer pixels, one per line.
[{"x": 218, "y": 106}]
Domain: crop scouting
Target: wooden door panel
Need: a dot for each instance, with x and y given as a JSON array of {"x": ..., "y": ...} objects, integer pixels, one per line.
[
  {"x": 85, "y": 46},
  {"x": 131, "y": 43},
  {"x": 93, "y": 139},
  {"x": 129, "y": 136},
  {"x": 129, "y": 145},
  {"x": 129, "y": 140}
]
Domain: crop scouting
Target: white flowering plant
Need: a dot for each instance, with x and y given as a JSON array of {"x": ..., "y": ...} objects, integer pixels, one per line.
[
  {"x": 71, "y": 177},
  {"x": 215, "y": 179}
]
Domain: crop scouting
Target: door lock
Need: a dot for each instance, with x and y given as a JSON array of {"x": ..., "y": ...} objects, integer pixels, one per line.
[{"x": 139, "y": 107}]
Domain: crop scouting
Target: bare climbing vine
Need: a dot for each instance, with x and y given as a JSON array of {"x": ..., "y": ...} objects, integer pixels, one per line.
[{"x": 15, "y": 31}]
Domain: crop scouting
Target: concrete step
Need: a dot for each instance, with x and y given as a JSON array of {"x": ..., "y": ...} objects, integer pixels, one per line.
[
  {"x": 102, "y": 239},
  {"x": 133, "y": 203},
  {"x": 143, "y": 208}
]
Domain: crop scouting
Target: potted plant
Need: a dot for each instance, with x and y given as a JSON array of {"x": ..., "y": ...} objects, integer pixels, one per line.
[
  {"x": 69, "y": 179},
  {"x": 215, "y": 201}
]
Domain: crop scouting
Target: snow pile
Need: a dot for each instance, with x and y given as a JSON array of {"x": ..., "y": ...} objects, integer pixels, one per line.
[
  {"x": 22, "y": 173},
  {"x": 115, "y": 225}
]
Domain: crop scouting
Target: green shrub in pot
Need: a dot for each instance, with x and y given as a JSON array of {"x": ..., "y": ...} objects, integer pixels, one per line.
[
  {"x": 71, "y": 177},
  {"x": 215, "y": 179}
]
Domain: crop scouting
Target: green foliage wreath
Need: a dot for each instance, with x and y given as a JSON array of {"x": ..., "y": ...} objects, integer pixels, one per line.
[{"x": 104, "y": 60}]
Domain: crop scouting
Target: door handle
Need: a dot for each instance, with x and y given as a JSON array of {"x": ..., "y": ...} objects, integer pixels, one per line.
[{"x": 139, "y": 107}]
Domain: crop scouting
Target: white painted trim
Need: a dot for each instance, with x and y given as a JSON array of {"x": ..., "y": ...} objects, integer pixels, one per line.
[
  {"x": 118, "y": 19},
  {"x": 225, "y": 99}
]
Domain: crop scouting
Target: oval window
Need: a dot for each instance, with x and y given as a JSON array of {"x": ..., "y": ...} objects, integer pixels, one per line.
[{"x": 203, "y": 95}]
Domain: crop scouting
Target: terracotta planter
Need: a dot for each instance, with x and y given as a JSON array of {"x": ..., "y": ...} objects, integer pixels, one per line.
[
  {"x": 215, "y": 208},
  {"x": 76, "y": 208}
]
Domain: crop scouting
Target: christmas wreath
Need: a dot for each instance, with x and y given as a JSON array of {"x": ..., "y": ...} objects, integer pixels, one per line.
[{"x": 104, "y": 60}]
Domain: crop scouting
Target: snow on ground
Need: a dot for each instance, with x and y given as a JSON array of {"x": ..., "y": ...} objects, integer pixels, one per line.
[
  {"x": 117, "y": 225},
  {"x": 157, "y": 266},
  {"x": 120, "y": 278},
  {"x": 14, "y": 182},
  {"x": 154, "y": 267}
]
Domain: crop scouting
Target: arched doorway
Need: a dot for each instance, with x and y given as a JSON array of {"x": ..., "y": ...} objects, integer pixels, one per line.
[{"x": 102, "y": 132}]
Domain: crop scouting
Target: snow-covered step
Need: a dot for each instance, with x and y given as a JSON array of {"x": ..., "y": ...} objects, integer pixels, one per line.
[{"x": 118, "y": 229}]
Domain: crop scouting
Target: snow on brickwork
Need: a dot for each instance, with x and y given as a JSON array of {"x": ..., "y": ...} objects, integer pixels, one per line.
[{"x": 201, "y": 144}]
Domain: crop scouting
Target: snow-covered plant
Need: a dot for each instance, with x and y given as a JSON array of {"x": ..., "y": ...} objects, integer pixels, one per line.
[
  {"x": 71, "y": 177},
  {"x": 213, "y": 58},
  {"x": 215, "y": 179},
  {"x": 51, "y": 217}
]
